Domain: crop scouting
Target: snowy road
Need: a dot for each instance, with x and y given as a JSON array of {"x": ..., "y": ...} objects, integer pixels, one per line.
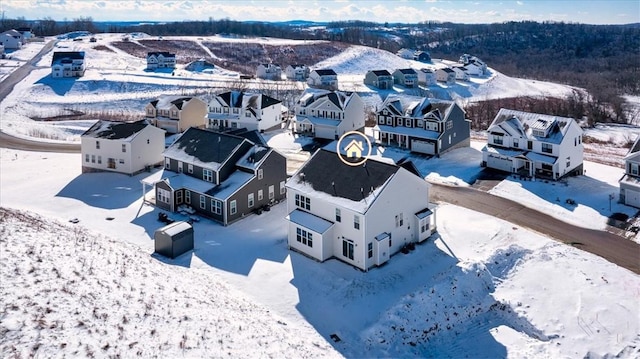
[{"x": 615, "y": 249}]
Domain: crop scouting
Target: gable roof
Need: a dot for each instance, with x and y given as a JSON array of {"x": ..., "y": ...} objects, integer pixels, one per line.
[
  {"x": 204, "y": 146},
  {"x": 165, "y": 101},
  {"x": 325, "y": 172},
  {"x": 325, "y": 72},
  {"x": 115, "y": 130},
  {"x": 418, "y": 107},
  {"x": 408, "y": 71},
  {"x": 338, "y": 98},
  {"x": 163, "y": 53},
  {"x": 247, "y": 100},
  {"x": 634, "y": 150},
  {"x": 381, "y": 72},
  {"x": 62, "y": 56},
  {"x": 522, "y": 124}
]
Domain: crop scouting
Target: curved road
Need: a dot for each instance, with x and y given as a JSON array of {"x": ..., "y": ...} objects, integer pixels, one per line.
[{"x": 615, "y": 249}]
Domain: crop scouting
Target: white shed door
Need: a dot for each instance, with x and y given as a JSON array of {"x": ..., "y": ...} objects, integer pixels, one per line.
[
  {"x": 428, "y": 148},
  {"x": 498, "y": 163},
  {"x": 632, "y": 198}
]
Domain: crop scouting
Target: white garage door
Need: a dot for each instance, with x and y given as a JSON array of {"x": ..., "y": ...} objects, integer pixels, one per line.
[
  {"x": 502, "y": 164},
  {"x": 632, "y": 198},
  {"x": 428, "y": 148}
]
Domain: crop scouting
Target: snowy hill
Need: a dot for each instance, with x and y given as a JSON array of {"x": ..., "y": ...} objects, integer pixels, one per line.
[{"x": 69, "y": 292}]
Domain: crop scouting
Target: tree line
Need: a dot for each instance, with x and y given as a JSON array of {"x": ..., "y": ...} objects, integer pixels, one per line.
[{"x": 603, "y": 59}]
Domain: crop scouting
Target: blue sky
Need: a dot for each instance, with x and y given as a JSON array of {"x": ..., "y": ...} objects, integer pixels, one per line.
[{"x": 478, "y": 11}]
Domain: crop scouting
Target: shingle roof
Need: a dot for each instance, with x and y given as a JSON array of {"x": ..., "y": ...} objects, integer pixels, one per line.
[
  {"x": 408, "y": 71},
  {"x": 325, "y": 172},
  {"x": 325, "y": 72},
  {"x": 246, "y": 100},
  {"x": 163, "y": 53},
  {"x": 67, "y": 55},
  {"x": 115, "y": 130},
  {"x": 636, "y": 146},
  {"x": 381, "y": 72},
  {"x": 205, "y": 145}
]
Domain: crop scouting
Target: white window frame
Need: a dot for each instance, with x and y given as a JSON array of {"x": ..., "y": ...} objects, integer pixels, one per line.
[
  {"x": 187, "y": 196},
  {"x": 233, "y": 207},
  {"x": 260, "y": 173},
  {"x": 260, "y": 195},
  {"x": 272, "y": 193},
  {"x": 283, "y": 188},
  {"x": 207, "y": 175},
  {"x": 250, "y": 200},
  {"x": 203, "y": 202}
]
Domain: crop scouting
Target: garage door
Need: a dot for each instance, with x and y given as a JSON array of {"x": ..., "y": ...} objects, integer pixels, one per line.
[
  {"x": 632, "y": 198},
  {"x": 499, "y": 163},
  {"x": 428, "y": 148}
]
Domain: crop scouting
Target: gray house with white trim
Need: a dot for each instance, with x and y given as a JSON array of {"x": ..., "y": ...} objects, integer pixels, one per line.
[{"x": 222, "y": 176}]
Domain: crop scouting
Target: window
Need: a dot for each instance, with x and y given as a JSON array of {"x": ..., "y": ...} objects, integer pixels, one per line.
[
  {"x": 547, "y": 148},
  {"x": 93, "y": 158},
  {"x": 250, "y": 200},
  {"x": 260, "y": 195},
  {"x": 187, "y": 196},
  {"x": 121, "y": 161},
  {"x": 216, "y": 206},
  {"x": 303, "y": 202},
  {"x": 164, "y": 195},
  {"x": 148, "y": 141},
  {"x": 407, "y": 122},
  {"x": 124, "y": 147},
  {"x": 498, "y": 139},
  {"x": 271, "y": 192},
  {"x": 99, "y": 159},
  {"x": 529, "y": 145},
  {"x": 633, "y": 168},
  {"x": 167, "y": 163},
  {"x": 260, "y": 174},
  {"x": 190, "y": 168},
  {"x": 547, "y": 167},
  {"x": 568, "y": 162},
  {"x": 389, "y": 121},
  {"x": 203, "y": 202},
  {"x": 86, "y": 157},
  {"x": 381, "y": 120},
  {"x": 178, "y": 197},
  {"x": 356, "y": 222},
  {"x": 207, "y": 175},
  {"x": 369, "y": 250},
  {"x": 516, "y": 143},
  {"x": 97, "y": 145},
  {"x": 449, "y": 125},
  {"x": 234, "y": 207},
  {"x": 338, "y": 215},
  {"x": 283, "y": 189},
  {"x": 347, "y": 248},
  {"x": 304, "y": 237},
  {"x": 180, "y": 166}
]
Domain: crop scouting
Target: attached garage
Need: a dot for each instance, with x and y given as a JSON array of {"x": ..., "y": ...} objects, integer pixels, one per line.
[
  {"x": 425, "y": 147},
  {"x": 632, "y": 198},
  {"x": 174, "y": 239},
  {"x": 499, "y": 162}
]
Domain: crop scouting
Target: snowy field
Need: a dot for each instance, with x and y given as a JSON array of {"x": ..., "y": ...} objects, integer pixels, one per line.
[
  {"x": 473, "y": 286},
  {"x": 482, "y": 288}
]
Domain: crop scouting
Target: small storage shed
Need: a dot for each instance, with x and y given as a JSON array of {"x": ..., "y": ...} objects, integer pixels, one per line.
[{"x": 174, "y": 239}]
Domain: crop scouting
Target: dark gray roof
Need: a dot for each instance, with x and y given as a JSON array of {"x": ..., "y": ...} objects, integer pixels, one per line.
[
  {"x": 253, "y": 101},
  {"x": 206, "y": 145},
  {"x": 324, "y": 72},
  {"x": 325, "y": 172},
  {"x": 381, "y": 72},
  {"x": 115, "y": 130},
  {"x": 67, "y": 55},
  {"x": 408, "y": 71},
  {"x": 163, "y": 53}
]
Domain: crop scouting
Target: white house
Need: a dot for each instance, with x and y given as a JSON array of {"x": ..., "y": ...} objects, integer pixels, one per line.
[
  {"x": 236, "y": 109},
  {"x": 446, "y": 75},
  {"x": 406, "y": 53},
  {"x": 269, "y": 72},
  {"x": 125, "y": 147},
  {"x": 422, "y": 125},
  {"x": 461, "y": 72},
  {"x": 328, "y": 114},
  {"x": 361, "y": 215},
  {"x": 324, "y": 79},
  {"x": 1, "y": 49},
  {"x": 630, "y": 181},
  {"x": 474, "y": 69},
  {"x": 11, "y": 40},
  {"x": 27, "y": 33},
  {"x": 297, "y": 72},
  {"x": 531, "y": 144},
  {"x": 381, "y": 79},
  {"x": 67, "y": 64},
  {"x": 427, "y": 77},
  {"x": 162, "y": 59},
  {"x": 175, "y": 114},
  {"x": 467, "y": 59}
]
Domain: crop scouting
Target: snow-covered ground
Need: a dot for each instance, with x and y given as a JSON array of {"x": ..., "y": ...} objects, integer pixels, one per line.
[{"x": 481, "y": 288}]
